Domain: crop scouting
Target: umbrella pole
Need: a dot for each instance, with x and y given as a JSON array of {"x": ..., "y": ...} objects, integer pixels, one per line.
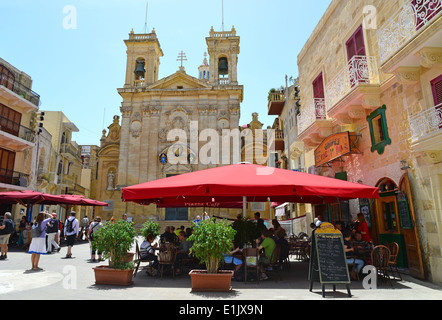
[{"x": 244, "y": 207}]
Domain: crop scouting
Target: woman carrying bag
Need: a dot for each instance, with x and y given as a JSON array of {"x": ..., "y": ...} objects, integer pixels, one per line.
[{"x": 38, "y": 243}]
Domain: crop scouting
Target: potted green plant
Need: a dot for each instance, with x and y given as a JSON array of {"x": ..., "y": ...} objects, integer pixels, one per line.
[
  {"x": 246, "y": 232},
  {"x": 114, "y": 240},
  {"x": 210, "y": 240},
  {"x": 150, "y": 226}
]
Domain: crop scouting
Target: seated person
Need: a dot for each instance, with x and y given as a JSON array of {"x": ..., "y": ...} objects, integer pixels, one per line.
[
  {"x": 147, "y": 251},
  {"x": 349, "y": 252},
  {"x": 183, "y": 250},
  {"x": 361, "y": 247},
  {"x": 268, "y": 244},
  {"x": 168, "y": 236},
  {"x": 229, "y": 258},
  {"x": 280, "y": 239}
]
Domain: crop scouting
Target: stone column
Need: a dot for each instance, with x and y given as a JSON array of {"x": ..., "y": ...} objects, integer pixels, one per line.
[
  {"x": 126, "y": 111},
  {"x": 144, "y": 144},
  {"x": 154, "y": 128}
]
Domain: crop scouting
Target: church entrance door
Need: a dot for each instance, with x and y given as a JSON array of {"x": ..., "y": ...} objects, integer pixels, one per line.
[{"x": 179, "y": 214}]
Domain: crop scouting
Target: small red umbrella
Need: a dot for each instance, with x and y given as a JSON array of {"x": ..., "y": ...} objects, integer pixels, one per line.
[{"x": 30, "y": 198}]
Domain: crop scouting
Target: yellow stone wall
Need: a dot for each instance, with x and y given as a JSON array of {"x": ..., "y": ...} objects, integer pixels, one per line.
[{"x": 404, "y": 95}]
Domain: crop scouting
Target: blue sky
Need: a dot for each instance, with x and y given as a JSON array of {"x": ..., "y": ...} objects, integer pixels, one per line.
[{"x": 79, "y": 70}]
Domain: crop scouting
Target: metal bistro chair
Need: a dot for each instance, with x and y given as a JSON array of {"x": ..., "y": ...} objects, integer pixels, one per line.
[
  {"x": 380, "y": 257},
  {"x": 394, "y": 251},
  {"x": 251, "y": 261}
]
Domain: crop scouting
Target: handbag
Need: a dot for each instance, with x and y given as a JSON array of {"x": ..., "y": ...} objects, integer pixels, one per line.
[{"x": 36, "y": 230}]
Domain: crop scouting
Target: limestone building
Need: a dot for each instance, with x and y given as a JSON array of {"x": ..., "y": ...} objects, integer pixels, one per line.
[
  {"x": 371, "y": 78},
  {"x": 139, "y": 145},
  {"x": 18, "y": 108}
]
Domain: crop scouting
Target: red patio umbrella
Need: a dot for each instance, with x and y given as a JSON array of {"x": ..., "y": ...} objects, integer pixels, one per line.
[
  {"x": 247, "y": 182},
  {"x": 30, "y": 198}
]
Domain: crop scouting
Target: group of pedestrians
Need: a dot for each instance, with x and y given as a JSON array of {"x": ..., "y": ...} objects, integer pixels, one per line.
[{"x": 45, "y": 234}]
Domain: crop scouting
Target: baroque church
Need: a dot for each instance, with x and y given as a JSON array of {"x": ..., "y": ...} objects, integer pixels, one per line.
[{"x": 136, "y": 146}]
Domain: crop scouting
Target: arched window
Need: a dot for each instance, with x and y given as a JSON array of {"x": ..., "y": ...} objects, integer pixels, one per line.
[{"x": 223, "y": 66}]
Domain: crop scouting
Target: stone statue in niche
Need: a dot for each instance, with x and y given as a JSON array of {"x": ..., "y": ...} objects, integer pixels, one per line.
[{"x": 110, "y": 181}]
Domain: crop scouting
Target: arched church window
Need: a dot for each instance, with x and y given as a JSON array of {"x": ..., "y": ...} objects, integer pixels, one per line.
[
  {"x": 140, "y": 71},
  {"x": 223, "y": 66}
]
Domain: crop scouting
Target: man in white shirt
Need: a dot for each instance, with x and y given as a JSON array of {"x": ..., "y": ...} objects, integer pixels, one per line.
[{"x": 71, "y": 229}]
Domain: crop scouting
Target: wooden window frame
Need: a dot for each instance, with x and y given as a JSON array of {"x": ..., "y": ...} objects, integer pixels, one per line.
[{"x": 379, "y": 146}]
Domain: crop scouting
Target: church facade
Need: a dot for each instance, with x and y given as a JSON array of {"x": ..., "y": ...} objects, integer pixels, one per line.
[{"x": 142, "y": 143}]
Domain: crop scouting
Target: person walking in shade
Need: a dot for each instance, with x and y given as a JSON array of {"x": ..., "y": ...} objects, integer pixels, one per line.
[
  {"x": 52, "y": 230},
  {"x": 71, "y": 229},
  {"x": 6, "y": 229}
]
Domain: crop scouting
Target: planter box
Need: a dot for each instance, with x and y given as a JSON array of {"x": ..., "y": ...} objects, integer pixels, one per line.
[
  {"x": 217, "y": 282},
  {"x": 108, "y": 276}
]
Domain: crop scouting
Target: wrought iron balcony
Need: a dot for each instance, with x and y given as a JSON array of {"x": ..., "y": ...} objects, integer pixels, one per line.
[
  {"x": 426, "y": 122},
  {"x": 19, "y": 89},
  {"x": 359, "y": 70},
  {"x": 14, "y": 178},
  {"x": 405, "y": 23},
  {"x": 311, "y": 113},
  {"x": 16, "y": 129}
]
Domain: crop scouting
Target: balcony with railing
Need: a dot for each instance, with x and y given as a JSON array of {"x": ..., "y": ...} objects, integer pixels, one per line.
[
  {"x": 14, "y": 90},
  {"x": 140, "y": 83},
  {"x": 405, "y": 24},
  {"x": 361, "y": 71},
  {"x": 310, "y": 114},
  {"x": 15, "y": 180},
  {"x": 14, "y": 136},
  {"x": 275, "y": 140},
  {"x": 276, "y": 103},
  {"x": 426, "y": 123},
  {"x": 72, "y": 149}
]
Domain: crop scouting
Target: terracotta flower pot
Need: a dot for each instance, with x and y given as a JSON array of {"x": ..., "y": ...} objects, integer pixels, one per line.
[
  {"x": 216, "y": 282},
  {"x": 108, "y": 276}
]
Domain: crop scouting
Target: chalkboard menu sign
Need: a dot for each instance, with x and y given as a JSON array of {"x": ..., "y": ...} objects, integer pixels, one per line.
[
  {"x": 331, "y": 258},
  {"x": 404, "y": 212},
  {"x": 328, "y": 263}
]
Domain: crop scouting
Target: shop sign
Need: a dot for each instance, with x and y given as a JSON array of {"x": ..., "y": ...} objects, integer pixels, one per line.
[{"x": 332, "y": 148}]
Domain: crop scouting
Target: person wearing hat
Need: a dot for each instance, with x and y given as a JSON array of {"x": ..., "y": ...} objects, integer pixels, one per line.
[{"x": 51, "y": 231}]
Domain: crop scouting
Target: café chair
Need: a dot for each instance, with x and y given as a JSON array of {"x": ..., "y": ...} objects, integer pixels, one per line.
[
  {"x": 251, "y": 261},
  {"x": 380, "y": 257},
  {"x": 166, "y": 257},
  {"x": 394, "y": 251},
  {"x": 274, "y": 264},
  {"x": 139, "y": 260}
]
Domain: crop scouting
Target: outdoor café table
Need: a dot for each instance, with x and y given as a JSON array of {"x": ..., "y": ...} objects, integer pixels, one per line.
[{"x": 363, "y": 253}]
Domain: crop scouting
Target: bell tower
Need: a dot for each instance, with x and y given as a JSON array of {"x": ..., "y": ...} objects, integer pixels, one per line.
[
  {"x": 143, "y": 59},
  {"x": 223, "y": 49}
]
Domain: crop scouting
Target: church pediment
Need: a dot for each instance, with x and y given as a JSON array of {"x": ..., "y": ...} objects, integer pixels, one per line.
[{"x": 179, "y": 80}]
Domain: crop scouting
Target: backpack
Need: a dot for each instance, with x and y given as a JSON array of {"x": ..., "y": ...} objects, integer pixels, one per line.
[
  {"x": 70, "y": 225},
  {"x": 9, "y": 227},
  {"x": 53, "y": 226},
  {"x": 36, "y": 230}
]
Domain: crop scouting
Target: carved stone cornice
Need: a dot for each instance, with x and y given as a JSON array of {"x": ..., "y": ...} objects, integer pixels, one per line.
[
  {"x": 408, "y": 75},
  {"x": 126, "y": 111},
  {"x": 429, "y": 57}
]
